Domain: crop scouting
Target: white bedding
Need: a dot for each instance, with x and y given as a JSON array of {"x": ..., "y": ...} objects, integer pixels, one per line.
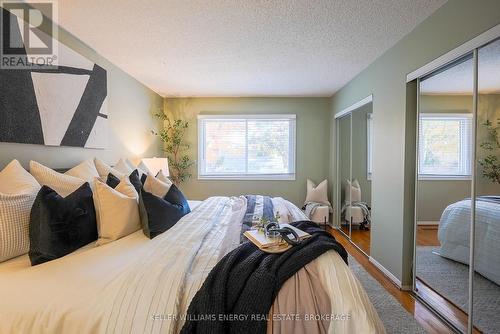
[
  {"x": 119, "y": 287},
  {"x": 454, "y": 236}
]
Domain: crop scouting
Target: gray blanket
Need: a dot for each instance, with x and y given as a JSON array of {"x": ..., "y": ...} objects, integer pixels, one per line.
[{"x": 364, "y": 207}]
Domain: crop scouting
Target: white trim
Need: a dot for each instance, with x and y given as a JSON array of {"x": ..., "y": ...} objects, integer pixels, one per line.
[
  {"x": 429, "y": 177},
  {"x": 241, "y": 177},
  {"x": 354, "y": 106},
  {"x": 458, "y": 52},
  {"x": 387, "y": 273},
  {"x": 427, "y": 222},
  {"x": 446, "y": 115},
  {"x": 249, "y": 116}
]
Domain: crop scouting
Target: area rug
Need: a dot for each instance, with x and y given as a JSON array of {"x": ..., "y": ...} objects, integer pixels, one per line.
[
  {"x": 395, "y": 318},
  {"x": 450, "y": 279}
]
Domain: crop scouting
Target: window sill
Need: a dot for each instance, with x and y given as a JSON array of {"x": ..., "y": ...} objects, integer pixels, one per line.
[
  {"x": 269, "y": 177},
  {"x": 444, "y": 178}
]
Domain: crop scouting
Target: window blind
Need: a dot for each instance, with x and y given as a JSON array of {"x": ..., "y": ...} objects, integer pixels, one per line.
[
  {"x": 250, "y": 146},
  {"x": 445, "y": 145}
]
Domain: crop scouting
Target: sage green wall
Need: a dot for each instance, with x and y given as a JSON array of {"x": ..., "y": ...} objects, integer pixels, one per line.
[
  {"x": 130, "y": 107},
  {"x": 392, "y": 192},
  {"x": 312, "y": 143}
]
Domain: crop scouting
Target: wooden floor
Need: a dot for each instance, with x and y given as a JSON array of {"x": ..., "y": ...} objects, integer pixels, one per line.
[
  {"x": 427, "y": 319},
  {"x": 360, "y": 237},
  {"x": 427, "y": 236}
]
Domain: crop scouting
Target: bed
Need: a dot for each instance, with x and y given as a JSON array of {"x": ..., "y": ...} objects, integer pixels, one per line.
[
  {"x": 137, "y": 285},
  {"x": 454, "y": 235}
]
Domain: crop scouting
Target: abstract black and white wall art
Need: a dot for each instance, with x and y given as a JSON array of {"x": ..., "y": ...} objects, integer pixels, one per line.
[{"x": 57, "y": 106}]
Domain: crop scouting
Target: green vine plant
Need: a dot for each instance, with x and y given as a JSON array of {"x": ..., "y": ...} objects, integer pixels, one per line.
[
  {"x": 491, "y": 163},
  {"x": 172, "y": 135}
]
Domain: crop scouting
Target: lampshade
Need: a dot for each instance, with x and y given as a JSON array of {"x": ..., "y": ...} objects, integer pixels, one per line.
[{"x": 156, "y": 164}]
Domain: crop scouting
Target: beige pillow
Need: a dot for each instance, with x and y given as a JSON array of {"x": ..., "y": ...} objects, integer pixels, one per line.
[
  {"x": 123, "y": 167},
  {"x": 317, "y": 194},
  {"x": 163, "y": 178},
  {"x": 143, "y": 169},
  {"x": 355, "y": 194},
  {"x": 61, "y": 183},
  {"x": 104, "y": 169},
  {"x": 18, "y": 190},
  {"x": 155, "y": 186},
  {"x": 117, "y": 210},
  {"x": 14, "y": 179},
  {"x": 85, "y": 171}
]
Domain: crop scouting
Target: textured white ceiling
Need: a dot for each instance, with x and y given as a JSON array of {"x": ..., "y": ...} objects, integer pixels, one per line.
[
  {"x": 459, "y": 79},
  {"x": 243, "y": 47}
]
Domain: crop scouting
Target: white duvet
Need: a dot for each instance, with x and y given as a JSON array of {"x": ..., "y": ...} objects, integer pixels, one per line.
[
  {"x": 137, "y": 285},
  {"x": 454, "y": 236}
]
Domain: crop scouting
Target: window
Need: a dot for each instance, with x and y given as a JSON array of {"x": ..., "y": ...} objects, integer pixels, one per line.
[
  {"x": 445, "y": 145},
  {"x": 259, "y": 147},
  {"x": 369, "y": 145}
]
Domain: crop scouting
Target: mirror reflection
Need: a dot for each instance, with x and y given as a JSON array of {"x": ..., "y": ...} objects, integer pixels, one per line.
[
  {"x": 444, "y": 185},
  {"x": 355, "y": 135},
  {"x": 486, "y": 292}
]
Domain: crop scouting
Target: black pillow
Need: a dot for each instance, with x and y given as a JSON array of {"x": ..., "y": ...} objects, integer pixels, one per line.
[
  {"x": 175, "y": 196},
  {"x": 61, "y": 225},
  {"x": 144, "y": 177},
  {"x": 113, "y": 181},
  {"x": 159, "y": 214}
]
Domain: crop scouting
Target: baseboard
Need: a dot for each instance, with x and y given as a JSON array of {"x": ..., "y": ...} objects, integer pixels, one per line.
[
  {"x": 386, "y": 272},
  {"x": 428, "y": 222}
]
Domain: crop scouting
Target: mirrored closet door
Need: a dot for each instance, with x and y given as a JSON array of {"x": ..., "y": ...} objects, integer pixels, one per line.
[
  {"x": 486, "y": 285},
  {"x": 354, "y": 174},
  {"x": 457, "y": 250}
]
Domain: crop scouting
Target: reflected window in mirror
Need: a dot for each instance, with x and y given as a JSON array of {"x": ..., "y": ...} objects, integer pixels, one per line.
[{"x": 445, "y": 145}]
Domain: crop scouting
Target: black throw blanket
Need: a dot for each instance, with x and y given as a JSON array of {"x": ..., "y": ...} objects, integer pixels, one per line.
[{"x": 239, "y": 291}]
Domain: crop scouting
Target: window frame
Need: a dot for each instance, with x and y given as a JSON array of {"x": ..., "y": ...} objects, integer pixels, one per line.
[
  {"x": 291, "y": 176},
  {"x": 445, "y": 177}
]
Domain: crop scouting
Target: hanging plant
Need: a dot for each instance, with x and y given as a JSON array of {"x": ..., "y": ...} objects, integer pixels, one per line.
[
  {"x": 172, "y": 135},
  {"x": 491, "y": 163}
]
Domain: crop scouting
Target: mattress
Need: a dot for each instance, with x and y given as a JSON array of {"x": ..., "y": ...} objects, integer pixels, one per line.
[
  {"x": 454, "y": 236},
  {"x": 137, "y": 285}
]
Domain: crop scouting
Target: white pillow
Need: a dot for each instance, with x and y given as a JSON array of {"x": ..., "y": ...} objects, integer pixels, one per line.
[
  {"x": 156, "y": 187},
  {"x": 163, "y": 178},
  {"x": 317, "y": 194},
  {"x": 85, "y": 171},
  {"x": 18, "y": 190},
  {"x": 117, "y": 210},
  {"x": 123, "y": 167},
  {"x": 61, "y": 183},
  {"x": 14, "y": 179},
  {"x": 143, "y": 169},
  {"x": 355, "y": 194},
  {"x": 104, "y": 169}
]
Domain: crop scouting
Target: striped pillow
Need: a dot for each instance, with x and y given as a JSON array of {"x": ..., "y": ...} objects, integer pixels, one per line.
[
  {"x": 18, "y": 190},
  {"x": 61, "y": 183}
]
